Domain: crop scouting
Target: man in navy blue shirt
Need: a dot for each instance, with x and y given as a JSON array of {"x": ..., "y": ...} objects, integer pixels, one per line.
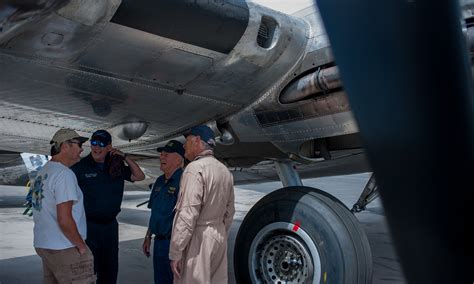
[
  {"x": 162, "y": 201},
  {"x": 101, "y": 177}
]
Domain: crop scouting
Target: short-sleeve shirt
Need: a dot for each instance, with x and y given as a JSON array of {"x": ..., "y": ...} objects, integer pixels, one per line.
[
  {"x": 163, "y": 199},
  {"x": 102, "y": 193},
  {"x": 55, "y": 184}
]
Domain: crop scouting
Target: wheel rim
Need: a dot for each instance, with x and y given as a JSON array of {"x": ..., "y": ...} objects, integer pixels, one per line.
[{"x": 282, "y": 252}]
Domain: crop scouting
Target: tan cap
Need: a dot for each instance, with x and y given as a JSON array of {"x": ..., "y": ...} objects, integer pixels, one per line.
[{"x": 65, "y": 134}]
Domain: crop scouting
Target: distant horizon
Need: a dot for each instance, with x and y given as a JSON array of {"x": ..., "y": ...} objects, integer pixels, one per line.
[{"x": 285, "y": 6}]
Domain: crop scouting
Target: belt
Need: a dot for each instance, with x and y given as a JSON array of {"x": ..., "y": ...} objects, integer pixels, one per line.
[
  {"x": 162, "y": 238},
  {"x": 210, "y": 223}
]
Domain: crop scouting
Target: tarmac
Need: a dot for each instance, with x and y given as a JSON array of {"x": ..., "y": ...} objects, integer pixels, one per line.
[{"x": 20, "y": 264}]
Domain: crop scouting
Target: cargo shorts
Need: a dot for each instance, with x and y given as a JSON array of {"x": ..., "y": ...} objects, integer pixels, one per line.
[{"x": 67, "y": 266}]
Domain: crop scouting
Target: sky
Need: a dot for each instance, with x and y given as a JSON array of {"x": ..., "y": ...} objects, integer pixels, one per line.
[{"x": 286, "y": 6}]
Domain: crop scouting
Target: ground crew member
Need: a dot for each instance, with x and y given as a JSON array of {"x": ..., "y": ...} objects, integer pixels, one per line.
[
  {"x": 101, "y": 177},
  {"x": 162, "y": 201},
  {"x": 204, "y": 213},
  {"x": 58, "y": 214}
]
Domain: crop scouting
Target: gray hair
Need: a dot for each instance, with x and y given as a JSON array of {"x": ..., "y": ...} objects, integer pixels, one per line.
[
  {"x": 181, "y": 161},
  {"x": 206, "y": 146}
]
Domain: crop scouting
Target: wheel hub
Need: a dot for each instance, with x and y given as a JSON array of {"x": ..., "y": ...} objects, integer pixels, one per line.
[
  {"x": 280, "y": 254},
  {"x": 284, "y": 259}
]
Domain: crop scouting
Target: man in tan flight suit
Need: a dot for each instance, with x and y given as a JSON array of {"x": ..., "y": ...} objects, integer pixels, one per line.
[{"x": 204, "y": 212}]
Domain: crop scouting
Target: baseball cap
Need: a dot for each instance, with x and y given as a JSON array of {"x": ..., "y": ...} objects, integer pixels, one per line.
[
  {"x": 65, "y": 134},
  {"x": 103, "y": 136},
  {"x": 204, "y": 132},
  {"x": 173, "y": 146}
]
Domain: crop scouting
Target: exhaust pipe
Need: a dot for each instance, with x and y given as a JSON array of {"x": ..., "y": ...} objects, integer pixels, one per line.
[{"x": 320, "y": 81}]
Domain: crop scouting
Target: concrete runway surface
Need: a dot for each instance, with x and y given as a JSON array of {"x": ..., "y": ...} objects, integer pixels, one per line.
[{"x": 20, "y": 264}]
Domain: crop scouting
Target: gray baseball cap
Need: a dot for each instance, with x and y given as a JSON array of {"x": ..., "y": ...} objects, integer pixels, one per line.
[{"x": 65, "y": 134}]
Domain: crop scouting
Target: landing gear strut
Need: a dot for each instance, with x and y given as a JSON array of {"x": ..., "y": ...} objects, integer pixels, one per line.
[
  {"x": 369, "y": 194},
  {"x": 287, "y": 174}
]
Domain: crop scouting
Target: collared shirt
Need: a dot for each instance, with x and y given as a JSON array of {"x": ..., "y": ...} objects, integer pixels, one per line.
[
  {"x": 163, "y": 199},
  {"x": 102, "y": 194}
]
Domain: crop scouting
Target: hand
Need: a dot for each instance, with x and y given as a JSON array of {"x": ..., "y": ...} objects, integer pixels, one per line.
[
  {"x": 82, "y": 249},
  {"x": 115, "y": 151},
  {"x": 176, "y": 268},
  {"x": 146, "y": 246}
]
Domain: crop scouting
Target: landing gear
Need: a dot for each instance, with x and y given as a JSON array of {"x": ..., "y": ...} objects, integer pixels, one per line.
[
  {"x": 369, "y": 194},
  {"x": 301, "y": 235}
]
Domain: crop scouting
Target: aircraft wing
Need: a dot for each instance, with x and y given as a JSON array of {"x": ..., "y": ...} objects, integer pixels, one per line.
[{"x": 146, "y": 77}]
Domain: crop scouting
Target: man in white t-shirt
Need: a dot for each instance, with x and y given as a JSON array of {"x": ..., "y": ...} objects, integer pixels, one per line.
[{"x": 59, "y": 217}]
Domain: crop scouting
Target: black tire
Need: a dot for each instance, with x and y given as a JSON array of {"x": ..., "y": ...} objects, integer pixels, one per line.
[{"x": 323, "y": 223}]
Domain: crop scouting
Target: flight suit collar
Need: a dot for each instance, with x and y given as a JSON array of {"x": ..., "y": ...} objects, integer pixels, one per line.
[
  {"x": 176, "y": 173},
  {"x": 203, "y": 154},
  {"x": 162, "y": 181}
]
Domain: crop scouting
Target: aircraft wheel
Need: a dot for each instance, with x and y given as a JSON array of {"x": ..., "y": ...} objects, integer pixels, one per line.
[{"x": 301, "y": 235}]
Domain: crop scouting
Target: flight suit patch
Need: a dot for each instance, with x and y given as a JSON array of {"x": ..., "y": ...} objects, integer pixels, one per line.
[
  {"x": 91, "y": 175},
  {"x": 171, "y": 190}
]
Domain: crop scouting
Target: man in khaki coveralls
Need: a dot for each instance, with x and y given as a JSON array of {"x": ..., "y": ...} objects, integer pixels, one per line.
[{"x": 204, "y": 213}]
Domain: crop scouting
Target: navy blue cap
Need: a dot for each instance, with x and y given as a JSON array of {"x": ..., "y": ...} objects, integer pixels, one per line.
[
  {"x": 172, "y": 146},
  {"x": 102, "y": 135},
  {"x": 204, "y": 132}
]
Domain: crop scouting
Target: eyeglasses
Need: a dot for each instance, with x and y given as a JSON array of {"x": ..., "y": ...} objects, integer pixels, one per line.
[
  {"x": 75, "y": 142},
  {"x": 98, "y": 143}
]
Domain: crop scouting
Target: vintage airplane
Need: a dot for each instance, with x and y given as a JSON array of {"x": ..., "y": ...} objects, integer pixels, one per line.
[{"x": 146, "y": 70}]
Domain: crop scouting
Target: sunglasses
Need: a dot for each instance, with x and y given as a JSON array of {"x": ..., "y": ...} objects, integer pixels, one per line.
[
  {"x": 98, "y": 143},
  {"x": 75, "y": 142}
]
